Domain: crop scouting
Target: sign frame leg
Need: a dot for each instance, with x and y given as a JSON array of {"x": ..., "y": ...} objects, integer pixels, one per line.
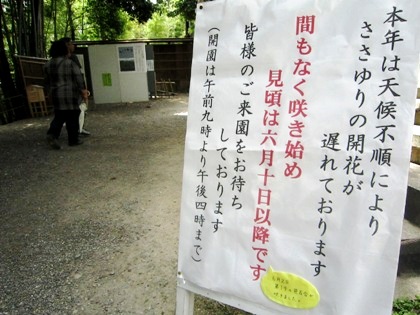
[{"x": 184, "y": 302}]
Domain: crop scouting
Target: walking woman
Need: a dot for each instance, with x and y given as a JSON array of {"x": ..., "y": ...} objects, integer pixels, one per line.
[{"x": 65, "y": 86}]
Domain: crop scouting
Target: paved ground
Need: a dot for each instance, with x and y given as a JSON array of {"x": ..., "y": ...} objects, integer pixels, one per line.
[{"x": 94, "y": 229}]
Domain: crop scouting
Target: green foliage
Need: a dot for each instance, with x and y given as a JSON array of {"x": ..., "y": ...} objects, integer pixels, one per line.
[
  {"x": 184, "y": 8},
  {"x": 59, "y": 21},
  {"x": 111, "y": 20},
  {"x": 406, "y": 306},
  {"x": 204, "y": 306},
  {"x": 162, "y": 26},
  {"x": 141, "y": 10},
  {"x": 106, "y": 20}
]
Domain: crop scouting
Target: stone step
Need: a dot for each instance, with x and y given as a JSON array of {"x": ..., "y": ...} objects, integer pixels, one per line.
[
  {"x": 415, "y": 145},
  {"x": 410, "y": 238},
  {"x": 415, "y": 155},
  {"x": 416, "y": 136}
]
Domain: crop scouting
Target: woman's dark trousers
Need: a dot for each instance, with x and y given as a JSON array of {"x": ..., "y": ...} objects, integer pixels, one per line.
[{"x": 71, "y": 118}]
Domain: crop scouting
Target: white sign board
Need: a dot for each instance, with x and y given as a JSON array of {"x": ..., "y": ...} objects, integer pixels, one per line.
[{"x": 297, "y": 153}]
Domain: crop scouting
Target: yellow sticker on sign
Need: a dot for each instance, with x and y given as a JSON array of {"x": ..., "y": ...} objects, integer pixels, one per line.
[{"x": 289, "y": 289}]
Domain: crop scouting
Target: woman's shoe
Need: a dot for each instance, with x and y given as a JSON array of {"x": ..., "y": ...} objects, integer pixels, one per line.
[
  {"x": 53, "y": 142},
  {"x": 72, "y": 144}
]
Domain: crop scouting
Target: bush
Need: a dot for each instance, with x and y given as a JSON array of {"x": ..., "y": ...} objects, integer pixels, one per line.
[
  {"x": 206, "y": 306},
  {"x": 406, "y": 306}
]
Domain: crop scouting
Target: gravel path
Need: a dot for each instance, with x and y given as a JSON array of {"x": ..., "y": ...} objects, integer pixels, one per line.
[{"x": 93, "y": 229}]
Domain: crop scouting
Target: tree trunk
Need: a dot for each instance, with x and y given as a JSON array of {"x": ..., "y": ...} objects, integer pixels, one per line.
[
  {"x": 70, "y": 19},
  {"x": 8, "y": 87},
  {"x": 36, "y": 46},
  {"x": 187, "y": 28}
]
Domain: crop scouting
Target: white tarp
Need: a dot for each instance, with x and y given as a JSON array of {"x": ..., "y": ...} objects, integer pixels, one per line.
[{"x": 297, "y": 151}]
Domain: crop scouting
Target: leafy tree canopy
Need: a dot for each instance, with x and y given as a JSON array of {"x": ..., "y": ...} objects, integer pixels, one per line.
[
  {"x": 141, "y": 10},
  {"x": 105, "y": 20},
  {"x": 184, "y": 8}
]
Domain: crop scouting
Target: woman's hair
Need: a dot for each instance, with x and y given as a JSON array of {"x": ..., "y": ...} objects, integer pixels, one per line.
[
  {"x": 58, "y": 49},
  {"x": 66, "y": 39}
]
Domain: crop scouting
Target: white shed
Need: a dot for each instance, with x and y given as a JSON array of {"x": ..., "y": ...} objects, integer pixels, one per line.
[{"x": 119, "y": 72}]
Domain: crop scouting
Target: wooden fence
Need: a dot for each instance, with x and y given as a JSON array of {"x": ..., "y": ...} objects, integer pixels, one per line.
[{"x": 173, "y": 63}]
